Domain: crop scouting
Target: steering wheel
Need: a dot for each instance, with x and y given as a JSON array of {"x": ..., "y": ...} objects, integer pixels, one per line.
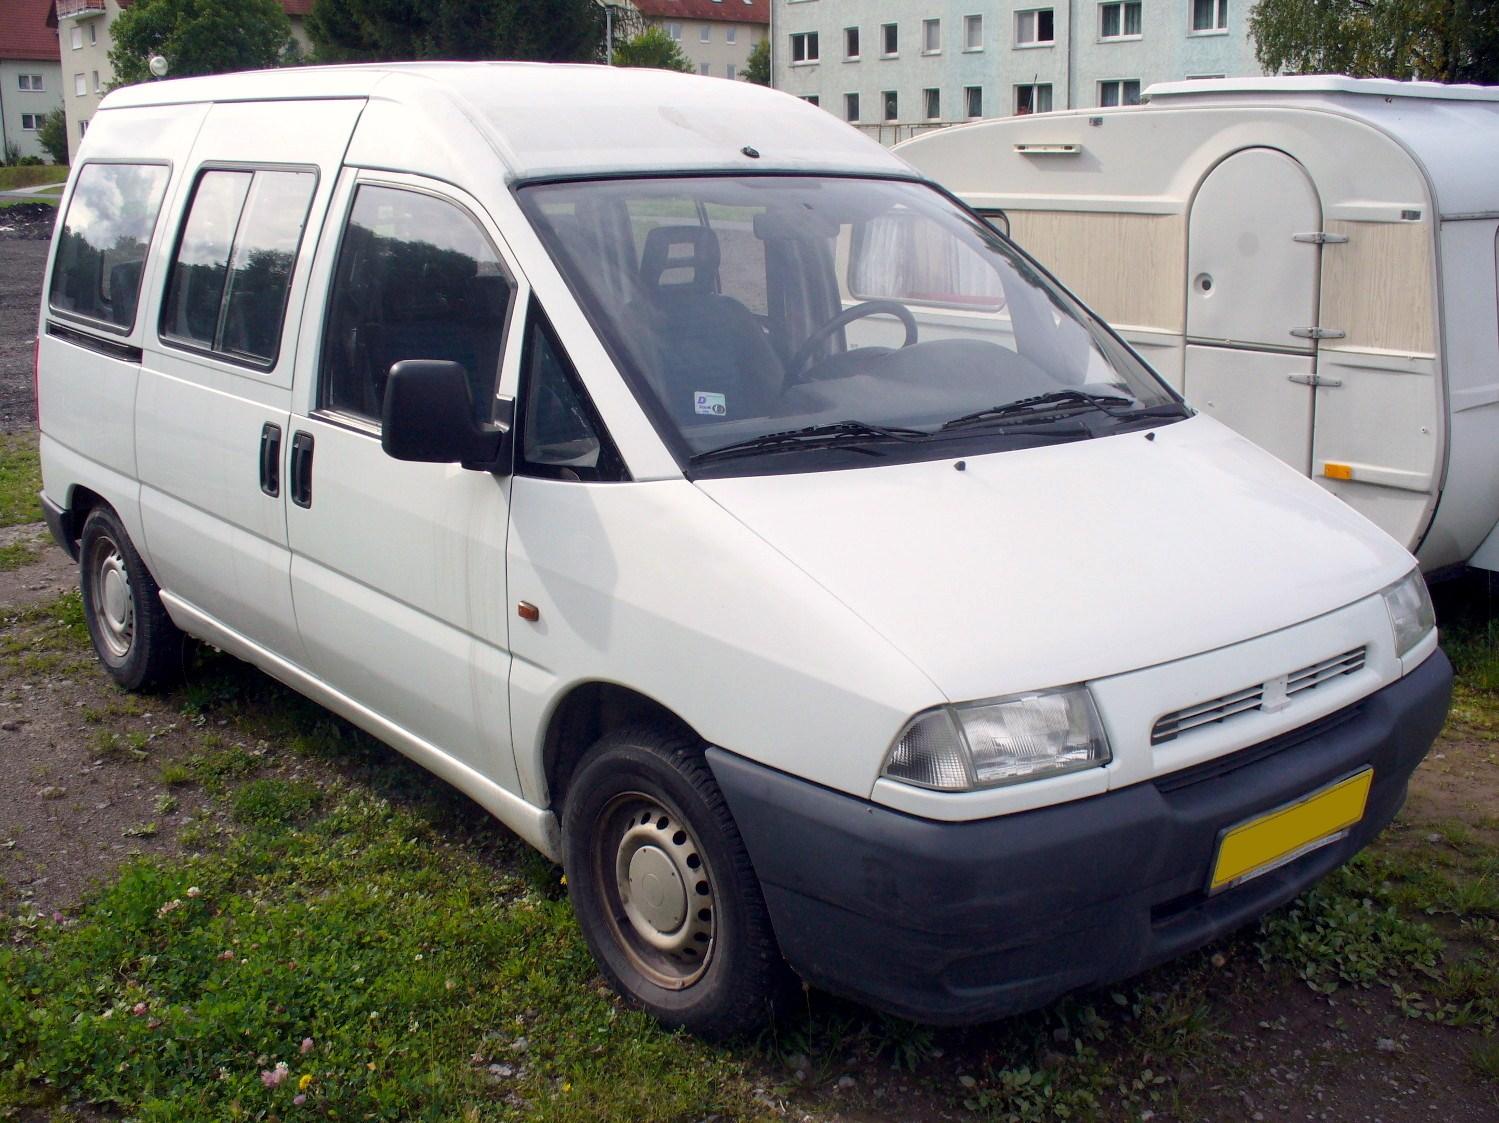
[{"x": 795, "y": 368}]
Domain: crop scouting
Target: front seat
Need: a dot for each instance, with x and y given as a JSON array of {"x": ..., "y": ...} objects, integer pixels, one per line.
[{"x": 715, "y": 363}]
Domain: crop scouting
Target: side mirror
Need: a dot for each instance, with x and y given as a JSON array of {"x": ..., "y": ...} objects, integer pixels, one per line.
[{"x": 428, "y": 415}]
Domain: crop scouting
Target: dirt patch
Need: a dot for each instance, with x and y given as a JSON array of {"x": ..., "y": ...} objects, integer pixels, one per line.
[
  {"x": 23, "y": 260},
  {"x": 51, "y": 574}
]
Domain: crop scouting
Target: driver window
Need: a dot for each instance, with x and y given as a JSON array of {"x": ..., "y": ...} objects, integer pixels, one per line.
[{"x": 417, "y": 278}]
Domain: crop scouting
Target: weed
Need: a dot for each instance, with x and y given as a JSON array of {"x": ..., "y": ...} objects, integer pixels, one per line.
[
  {"x": 141, "y": 830},
  {"x": 275, "y": 803},
  {"x": 18, "y": 555},
  {"x": 1484, "y": 1059},
  {"x": 20, "y": 480},
  {"x": 166, "y": 803}
]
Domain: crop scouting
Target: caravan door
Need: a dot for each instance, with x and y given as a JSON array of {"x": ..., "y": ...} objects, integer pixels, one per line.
[{"x": 1252, "y": 301}]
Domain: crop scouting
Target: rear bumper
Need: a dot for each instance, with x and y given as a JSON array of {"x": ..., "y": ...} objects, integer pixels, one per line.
[
  {"x": 60, "y": 523},
  {"x": 962, "y": 922}
]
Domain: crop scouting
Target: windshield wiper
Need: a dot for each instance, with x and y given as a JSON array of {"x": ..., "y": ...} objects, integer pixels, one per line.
[
  {"x": 1065, "y": 403},
  {"x": 835, "y": 434}
]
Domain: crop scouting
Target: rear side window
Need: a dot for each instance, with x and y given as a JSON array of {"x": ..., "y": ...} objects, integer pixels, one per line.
[
  {"x": 102, "y": 247},
  {"x": 417, "y": 278},
  {"x": 232, "y": 269}
]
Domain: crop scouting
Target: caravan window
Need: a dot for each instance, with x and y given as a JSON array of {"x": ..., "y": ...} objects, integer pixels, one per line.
[{"x": 101, "y": 249}]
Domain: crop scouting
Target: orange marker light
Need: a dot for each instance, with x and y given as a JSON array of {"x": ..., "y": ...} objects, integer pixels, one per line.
[
  {"x": 1337, "y": 471},
  {"x": 527, "y": 611}
]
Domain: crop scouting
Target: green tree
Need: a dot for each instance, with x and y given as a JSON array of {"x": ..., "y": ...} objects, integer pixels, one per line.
[
  {"x": 655, "y": 49},
  {"x": 53, "y": 135},
  {"x": 199, "y": 37},
  {"x": 396, "y": 30},
  {"x": 757, "y": 66},
  {"x": 1437, "y": 40}
]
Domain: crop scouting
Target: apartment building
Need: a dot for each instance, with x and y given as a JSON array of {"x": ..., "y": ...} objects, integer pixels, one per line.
[
  {"x": 717, "y": 35},
  {"x": 84, "y": 41},
  {"x": 30, "y": 74},
  {"x": 895, "y": 67}
]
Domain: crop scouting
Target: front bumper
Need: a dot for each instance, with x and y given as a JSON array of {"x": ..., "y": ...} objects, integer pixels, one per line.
[{"x": 956, "y": 923}]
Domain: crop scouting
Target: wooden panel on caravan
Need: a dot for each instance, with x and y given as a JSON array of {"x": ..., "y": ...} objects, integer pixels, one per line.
[
  {"x": 1129, "y": 268},
  {"x": 1376, "y": 287}
]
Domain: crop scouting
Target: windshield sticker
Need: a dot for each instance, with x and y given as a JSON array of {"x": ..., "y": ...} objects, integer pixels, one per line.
[{"x": 713, "y": 405}]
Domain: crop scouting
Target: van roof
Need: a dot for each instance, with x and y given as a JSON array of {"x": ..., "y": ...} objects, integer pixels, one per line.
[{"x": 567, "y": 120}]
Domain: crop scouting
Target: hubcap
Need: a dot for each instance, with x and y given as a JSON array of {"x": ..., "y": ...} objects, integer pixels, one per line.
[
  {"x": 659, "y": 889},
  {"x": 114, "y": 604}
]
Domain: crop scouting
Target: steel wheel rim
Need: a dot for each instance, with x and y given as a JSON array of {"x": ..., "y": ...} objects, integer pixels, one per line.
[
  {"x": 113, "y": 599},
  {"x": 659, "y": 890}
]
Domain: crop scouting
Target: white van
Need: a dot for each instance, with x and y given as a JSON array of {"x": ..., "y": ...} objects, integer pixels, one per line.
[
  {"x": 1310, "y": 260},
  {"x": 730, "y": 512}
]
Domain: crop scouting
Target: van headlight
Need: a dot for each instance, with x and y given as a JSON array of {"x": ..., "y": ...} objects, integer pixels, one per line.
[
  {"x": 1411, "y": 613},
  {"x": 1003, "y": 741}
]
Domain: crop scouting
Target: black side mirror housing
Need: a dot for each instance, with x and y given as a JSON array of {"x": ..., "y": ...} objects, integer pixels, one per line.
[{"x": 428, "y": 415}]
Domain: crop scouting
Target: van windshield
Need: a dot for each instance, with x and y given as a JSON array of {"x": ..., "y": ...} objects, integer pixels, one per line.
[{"x": 787, "y": 323}]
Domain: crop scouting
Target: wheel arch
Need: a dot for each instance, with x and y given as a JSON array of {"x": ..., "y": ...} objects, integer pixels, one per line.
[{"x": 586, "y": 713}]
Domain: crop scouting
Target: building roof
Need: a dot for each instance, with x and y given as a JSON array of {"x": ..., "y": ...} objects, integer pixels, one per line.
[
  {"x": 720, "y": 11},
  {"x": 566, "y": 120},
  {"x": 24, "y": 33},
  {"x": 296, "y": 8}
]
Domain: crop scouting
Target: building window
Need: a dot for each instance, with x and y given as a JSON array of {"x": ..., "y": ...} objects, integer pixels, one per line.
[
  {"x": 730, "y": 34},
  {"x": 973, "y": 33},
  {"x": 702, "y": 68},
  {"x": 730, "y": 73},
  {"x": 675, "y": 31},
  {"x": 32, "y": 82},
  {"x": 76, "y": 39},
  {"x": 892, "y": 105},
  {"x": 812, "y": 99},
  {"x": 850, "y": 107},
  {"x": 31, "y": 122},
  {"x": 705, "y": 34},
  {"x": 1035, "y": 28},
  {"x": 931, "y": 36},
  {"x": 93, "y": 34},
  {"x": 973, "y": 101},
  {"x": 851, "y": 43},
  {"x": 1119, "y": 91},
  {"x": 80, "y": 86},
  {"x": 82, "y": 128},
  {"x": 1119, "y": 21},
  {"x": 803, "y": 47},
  {"x": 1033, "y": 99},
  {"x": 932, "y": 103},
  {"x": 889, "y": 40},
  {"x": 1209, "y": 15},
  {"x": 98, "y": 85}
]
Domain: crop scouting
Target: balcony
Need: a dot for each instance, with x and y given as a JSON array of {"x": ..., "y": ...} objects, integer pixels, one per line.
[{"x": 79, "y": 9}]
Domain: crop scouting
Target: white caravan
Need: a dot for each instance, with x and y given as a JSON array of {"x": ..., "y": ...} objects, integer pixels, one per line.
[
  {"x": 1309, "y": 260},
  {"x": 726, "y": 509}
]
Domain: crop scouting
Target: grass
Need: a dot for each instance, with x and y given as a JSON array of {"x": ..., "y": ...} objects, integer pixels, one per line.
[
  {"x": 20, "y": 480},
  {"x": 32, "y": 175},
  {"x": 339, "y": 899},
  {"x": 45, "y": 200},
  {"x": 18, "y": 555}
]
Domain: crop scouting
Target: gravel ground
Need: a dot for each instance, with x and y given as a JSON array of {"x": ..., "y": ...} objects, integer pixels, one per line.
[{"x": 25, "y": 231}]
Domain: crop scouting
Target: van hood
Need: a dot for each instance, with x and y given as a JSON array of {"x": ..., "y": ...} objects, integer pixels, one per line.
[{"x": 1046, "y": 566}]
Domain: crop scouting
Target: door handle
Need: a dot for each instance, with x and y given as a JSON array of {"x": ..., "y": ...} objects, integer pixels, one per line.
[
  {"x": 270, "y": 459},
  {"x": 301, "y": 469},
  {"x": 1314, "y": 380}
]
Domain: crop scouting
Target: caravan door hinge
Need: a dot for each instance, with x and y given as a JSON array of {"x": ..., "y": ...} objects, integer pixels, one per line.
[
  {"x": 1318, "y": 333},
  {"x": 1314, "y": 380},
  {"x": 1320, "y": 238}
]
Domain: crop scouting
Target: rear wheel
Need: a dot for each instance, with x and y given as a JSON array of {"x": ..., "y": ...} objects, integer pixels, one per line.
[
  {"x": 133, "y": 636},
  {"x": 664, "y": 889}
]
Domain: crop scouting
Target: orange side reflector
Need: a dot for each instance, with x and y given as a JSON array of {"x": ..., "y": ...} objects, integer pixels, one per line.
[{"x": 1337, "y": 471}]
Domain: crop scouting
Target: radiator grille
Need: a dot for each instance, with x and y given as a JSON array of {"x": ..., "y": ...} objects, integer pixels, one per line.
[{"x": 1170, "y": 726}]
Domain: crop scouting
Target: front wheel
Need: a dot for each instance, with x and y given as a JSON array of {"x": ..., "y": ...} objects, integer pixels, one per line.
[
  {"x": 664, "y": 889},
  {"x": 133, "y": 636}
]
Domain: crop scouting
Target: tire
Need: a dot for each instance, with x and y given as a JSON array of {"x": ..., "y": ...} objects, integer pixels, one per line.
[
  {"x": 133, "y": 636},
  {"x": 664, "y": 890}
]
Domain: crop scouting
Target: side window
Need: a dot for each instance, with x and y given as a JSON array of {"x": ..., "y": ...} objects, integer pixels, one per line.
[
  {"x": 561, "y": 435},
  {"x": 232, "y": 269},
  {"x": 417, "y": 278},
  {"x": 103, "y": 242}
]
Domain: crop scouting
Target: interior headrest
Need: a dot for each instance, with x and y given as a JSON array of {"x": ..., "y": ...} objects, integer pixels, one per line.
[{"x": 669, "y": 249}]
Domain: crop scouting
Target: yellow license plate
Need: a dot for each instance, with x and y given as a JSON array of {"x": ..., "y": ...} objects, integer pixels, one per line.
[{"x": 1283, "y": 835}]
